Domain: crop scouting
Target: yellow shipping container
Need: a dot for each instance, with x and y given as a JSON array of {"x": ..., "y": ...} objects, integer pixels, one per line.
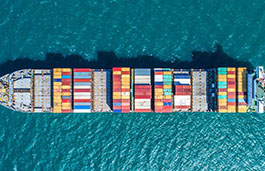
[
  {"x": 57, "y": 93},
  {"x": 125, "y": 69},
  {"x": 116, "y": 93},
  {"x": 167, "y": 87},
  {"x": 57, "y": 69},
  {"x": 57, "y": 84},
  {"x": 125, "y": 97},
  {"x": 158, "y": 96},
  {"x": 231, "y": 69},
  {"x": 125, "y": 86},
  {"x": 158, "y": 103},
  {"x": 57, "y": 97},
  {"x": 166, "y": 73},
  {"x": 116, "y": 97},
  {"x": 222, "y": 101},
  {"x": 222, "y": 79},
  {"x": 231, "y": 76},
  {"x": 66, "y": 94},
  {"x": 57, "y": 77},
  {"x": 66, "y": 87},
  {"x": 222, "y": 110},
  {"x": 242, "y": 109},
  {"x": 116, "y": 72},
  {"x": 167, "y": 97},
  {"x": 222, "y": 93},
  {"x": 240, "y": 96},
  {"x": 231, "y": 90},
  {"x": 66, "y": 70}
]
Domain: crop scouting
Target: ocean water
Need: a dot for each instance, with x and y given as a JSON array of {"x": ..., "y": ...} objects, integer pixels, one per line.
[{"x": 169, "y": 30}]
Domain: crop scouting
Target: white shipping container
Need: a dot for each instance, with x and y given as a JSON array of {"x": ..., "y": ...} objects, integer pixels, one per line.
[
  {"x": 82, "y": 110},
  {"x": 182, "y": 81},
  {"x": 82, "y": 94},
  {"x": 141, "y": 77},
  {"x": 142, "y": 82},
  {"x": 82, "y": 87},
  {"x": 142, "y": 100},
  {"x": 142, "y": 107},
  {"x": 182, "y": 100},
  {"x": 81, "y": 97},
  {"x": 159, "y": 78},
  {"x": 125, "y": 93}
]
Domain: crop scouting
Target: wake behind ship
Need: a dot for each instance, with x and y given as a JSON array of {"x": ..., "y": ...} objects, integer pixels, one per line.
[{"x": 125, "y": 90}]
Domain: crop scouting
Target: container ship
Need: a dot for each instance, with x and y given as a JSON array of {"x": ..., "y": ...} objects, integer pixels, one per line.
[{"x": 125, "y": 90}]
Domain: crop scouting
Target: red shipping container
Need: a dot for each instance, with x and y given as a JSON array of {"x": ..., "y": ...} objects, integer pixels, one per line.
[
  {"x": 231, "y": 103},
  {"x": 82, "y": 70},
  {"x": 222, "y": 107},
  {"x": 231, "y": 86},
  {"x": 231, "y": 83},
  {"x": 66, "y": 83},
  {"x": 142, "y": 97},
  {"x": 142, "y": 110},
  {"x": 158, "y": 72},
  {"x": 167, "y": 100},
  {"x": 125, "y": 100},
  {"x": 82, "y": 90},
  {"x": 66, "y": 110},
  {"x": 125, "y": 90},
  {"x": 66, "y": 80},
  {"x": 182, "y": 93},
  {"x": 125, "y": 111},
  {"x": 242, "y": 103},
  {"x": 81, "y": 100},
  {"x": 231, "y": 93},
  {"x": 116, "y": 107},
  {"x": 116, "y": 69},
  {"x": 66, "y": 100},
  {"x": 66, "y": 73},
  {"x": 231, "y": 97},
  {"x": 231, "y": 79},
  {"x": 222, "y": 89},
  {"x": 116, "y": 100},
  {"x": 66, "y": 90},
  {"x": 142, "y": 86},
  {"x": 240, "y": 93},
  {"x": 125, "y": 108},
  {"x": 125, "y": 72},
  {"x": 182, "y": 107},
  {"x": 116, "y": 89},
  {"x": 142, "y": 93},
  {"x": 158, "y": 100},
  {"x": 187, "y": 87},
  {"x": 231, "y": 72},
  {"x": 82, "y": 80},
  {"x": 116, "y": 76}
]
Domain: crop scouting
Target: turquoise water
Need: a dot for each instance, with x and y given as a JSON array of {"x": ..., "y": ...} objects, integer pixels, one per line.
[{"x": 169, "y": 30}]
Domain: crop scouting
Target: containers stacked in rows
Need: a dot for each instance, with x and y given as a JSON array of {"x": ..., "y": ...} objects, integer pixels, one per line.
[
  {"x": 121, "y": 90},
  {"x": 241, "y": 90},
  {"x": 62, "y": 94},
  {"x": 142, "y": 90},
  {"x": 57, "y": 90},
  {"x": 82, "y": 90},
  {"x": 101, "y": 90},
  {"x": 199, "y": 91},
  {"x": 222, "y": 90},
  {"x": 231, "y": 90},
  {"x": 66, "y": 90},
  {"x": 163, "y": 90},
  {"x": 182, "y": 83}
]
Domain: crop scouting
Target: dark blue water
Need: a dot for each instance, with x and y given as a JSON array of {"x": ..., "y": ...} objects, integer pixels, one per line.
[{"x": 169, "y": 30}]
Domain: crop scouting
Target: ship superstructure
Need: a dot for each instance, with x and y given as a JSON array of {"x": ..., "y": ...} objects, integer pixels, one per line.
[{"x": 125, "y": 90}]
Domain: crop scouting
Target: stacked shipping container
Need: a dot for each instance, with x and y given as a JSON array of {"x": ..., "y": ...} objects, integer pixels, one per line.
[
  {"x": 222, "y": 89},
  {"x": 101, "y": 90},
  {"x": 82, "y": 90},
  {"x": 231, "y": 90},
  {"x": 241, "y": 90},
  {"x": 57, "y": 90},
  {"x": 66, "y": 90},
  {"x": 199, "y": 91},
  {"x": 182, "y": 97},
  {"x": 163, "y": 90},
  {"x": 121, "y": 90},
  {"x": 62, "y": 90},
  {"x": 142, "y": 90}
]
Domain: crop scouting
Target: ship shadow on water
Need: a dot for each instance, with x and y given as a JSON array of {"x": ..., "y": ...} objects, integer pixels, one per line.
[{"x": 108, "y": 60}]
